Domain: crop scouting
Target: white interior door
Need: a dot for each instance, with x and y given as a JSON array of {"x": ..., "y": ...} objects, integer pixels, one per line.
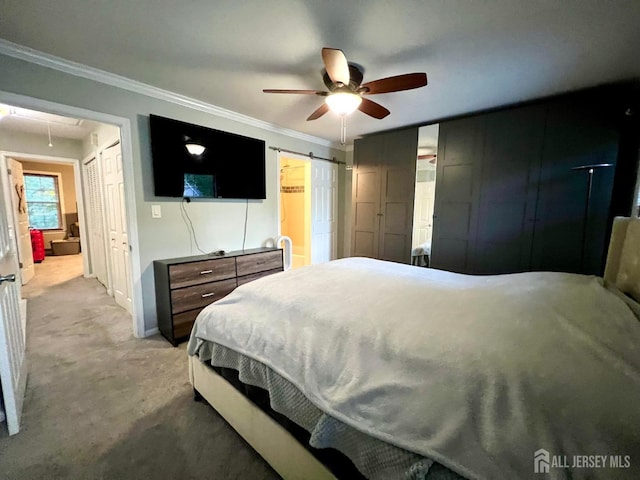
[
  {"x": 95, "y": 221},
  {"x": 423, "y": 213},
  {"x": 324, "y": 205},
  {"x": 21, "y": 216},
  {"x": 13, "y": 374},
  {"x": 117, "y": 226}
]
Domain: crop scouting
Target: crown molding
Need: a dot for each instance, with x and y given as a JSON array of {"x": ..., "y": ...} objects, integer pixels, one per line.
[{"x": 47, "y": 60}]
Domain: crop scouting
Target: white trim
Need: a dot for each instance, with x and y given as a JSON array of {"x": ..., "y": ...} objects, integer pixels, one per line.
[
  {"x": 151, "y": 331},
  {"x": 126, "y": 141},
  {"x": 84, "y": 71}
]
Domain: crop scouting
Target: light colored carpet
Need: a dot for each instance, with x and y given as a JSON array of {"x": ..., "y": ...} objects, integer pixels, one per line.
[{"x": 101, "y": 404}]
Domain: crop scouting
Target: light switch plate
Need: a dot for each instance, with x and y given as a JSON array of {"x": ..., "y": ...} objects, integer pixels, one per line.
[{"x": 156, "y": 211}]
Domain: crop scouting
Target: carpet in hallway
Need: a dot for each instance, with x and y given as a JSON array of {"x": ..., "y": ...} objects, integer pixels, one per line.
[{"x": 101, "y": 404}]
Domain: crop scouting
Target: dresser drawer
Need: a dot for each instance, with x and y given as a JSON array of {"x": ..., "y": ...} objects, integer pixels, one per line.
[
  {"x": 195, "y": 273},
  {"x": 254, "y": 276},
  {"x": 197, "y": 296},
  {"x": 183, "y": 322},
  {"x": 259, "y": 262}
]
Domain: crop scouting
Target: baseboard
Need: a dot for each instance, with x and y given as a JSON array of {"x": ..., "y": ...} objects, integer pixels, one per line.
[{"x": 151, "y": 331}]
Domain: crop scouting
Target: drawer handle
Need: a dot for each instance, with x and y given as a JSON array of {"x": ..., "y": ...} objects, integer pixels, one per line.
[
  {"x": 204, "y": 272},
  {"x": 205, "y": 295}
]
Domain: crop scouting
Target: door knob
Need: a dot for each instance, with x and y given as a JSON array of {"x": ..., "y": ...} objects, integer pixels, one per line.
[{"x": 8, "y": 278}]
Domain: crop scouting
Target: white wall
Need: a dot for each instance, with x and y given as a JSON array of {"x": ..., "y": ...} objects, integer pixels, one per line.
[
  {"x": 104, "y": 133},
  {"x": 218, "y": 223}
]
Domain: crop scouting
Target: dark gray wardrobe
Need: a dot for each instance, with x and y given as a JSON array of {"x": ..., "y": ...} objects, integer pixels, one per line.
[
  {"x": 535, "y": 187},
  {"x": 383, "y": 189}
]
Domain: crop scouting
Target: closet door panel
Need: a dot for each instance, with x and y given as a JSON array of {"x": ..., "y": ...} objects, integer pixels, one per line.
[
  {"x": 578, "y": 134},
  {"x": 366, "y": 197},
  {"x": 398, "y": 170},
  {"x": 457, "y": 193},
  {"x": 453, "y": 254},
  {"x": 510, "y": 170}
]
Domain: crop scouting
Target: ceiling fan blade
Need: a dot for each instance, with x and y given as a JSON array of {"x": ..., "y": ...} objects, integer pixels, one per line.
[
  {"x": 322, "y": 109},
  {"x": 304, "y": 92},
  {"x": 336, "y": 65},
  {"x": 373, "y": 109},
  {"x": 394, "y": 84}
]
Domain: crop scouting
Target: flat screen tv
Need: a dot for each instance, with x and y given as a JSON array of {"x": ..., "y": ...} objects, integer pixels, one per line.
[{"x": 229, "y": 166}]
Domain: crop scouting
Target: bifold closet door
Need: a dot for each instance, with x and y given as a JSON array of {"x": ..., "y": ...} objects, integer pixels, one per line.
[
  {"x": 397, "y": 194},
  {"x": 457, "y": 202},
  {"x": 95, "y": 221},
  {"x": 366, "y": 197},
  {"x": 510, "y": 169},
  {"x": 571, "y": 222},
  {"x": 384, "y": 179}
]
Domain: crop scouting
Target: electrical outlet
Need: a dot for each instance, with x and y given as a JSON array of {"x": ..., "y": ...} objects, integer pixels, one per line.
[{"x": 156, "y": 211}]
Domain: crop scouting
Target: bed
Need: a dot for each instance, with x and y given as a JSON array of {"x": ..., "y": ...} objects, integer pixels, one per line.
[{"x": 405, "y": 372}]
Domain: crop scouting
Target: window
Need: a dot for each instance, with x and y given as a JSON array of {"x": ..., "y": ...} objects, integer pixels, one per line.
[{"x": 43, "y": 201}]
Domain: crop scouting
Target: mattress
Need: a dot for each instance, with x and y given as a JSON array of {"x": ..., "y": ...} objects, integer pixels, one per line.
[{"x": 360, "y": 456}]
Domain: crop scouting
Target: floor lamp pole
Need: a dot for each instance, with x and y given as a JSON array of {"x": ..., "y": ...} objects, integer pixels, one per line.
[{"x": 590, "y": 170}]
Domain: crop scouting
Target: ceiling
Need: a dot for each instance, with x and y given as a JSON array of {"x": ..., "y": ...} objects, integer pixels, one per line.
[
  {"x": 477, "y": 54},
  {"x": 40, "y": 123}
]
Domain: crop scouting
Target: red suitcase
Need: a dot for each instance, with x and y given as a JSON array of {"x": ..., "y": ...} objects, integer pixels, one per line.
[{"x": 37, "y": 245}]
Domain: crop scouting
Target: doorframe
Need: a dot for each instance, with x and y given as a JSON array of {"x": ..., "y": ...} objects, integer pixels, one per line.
[{"x": 126, "y": 140}]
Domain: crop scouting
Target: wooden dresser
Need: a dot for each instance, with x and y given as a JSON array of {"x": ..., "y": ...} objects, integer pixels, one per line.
[{"x": 184, "y": 286}]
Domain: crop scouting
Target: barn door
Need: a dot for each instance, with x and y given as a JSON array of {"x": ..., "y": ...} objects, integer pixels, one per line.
[{"x": 13, "y": 375}]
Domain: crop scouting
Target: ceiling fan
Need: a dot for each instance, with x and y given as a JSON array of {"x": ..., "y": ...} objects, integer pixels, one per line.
[{"x": 346, "y": 91}]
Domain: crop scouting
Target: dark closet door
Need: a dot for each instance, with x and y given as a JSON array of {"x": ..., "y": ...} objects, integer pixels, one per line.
[
  {"x": 579, "y": 132},
  {"x": 366, "y": 196},
  {"x": 397, "y": 193},
  {"x": 384, "y": 177},
  {"x": 455, "y": 220},
  {"x": 510, "y": 168}
]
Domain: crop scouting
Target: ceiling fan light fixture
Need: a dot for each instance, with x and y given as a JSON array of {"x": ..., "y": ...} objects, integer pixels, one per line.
[
  {"x": 343, "y": 103},
  {"x": 195, "y": 149}
]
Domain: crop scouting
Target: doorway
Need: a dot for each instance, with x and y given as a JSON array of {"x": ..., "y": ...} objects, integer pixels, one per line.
[
  {"x": 295, "y": 208},
  {"x": 100, "y": 191},
  {"x": 308, "y": 200}
]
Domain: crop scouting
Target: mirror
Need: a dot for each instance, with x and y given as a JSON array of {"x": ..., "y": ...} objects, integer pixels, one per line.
[{"x": 424, "y": 194}]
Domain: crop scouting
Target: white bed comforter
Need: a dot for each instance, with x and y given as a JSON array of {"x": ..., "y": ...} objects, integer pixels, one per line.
[{"x": 476, "y": 372}]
